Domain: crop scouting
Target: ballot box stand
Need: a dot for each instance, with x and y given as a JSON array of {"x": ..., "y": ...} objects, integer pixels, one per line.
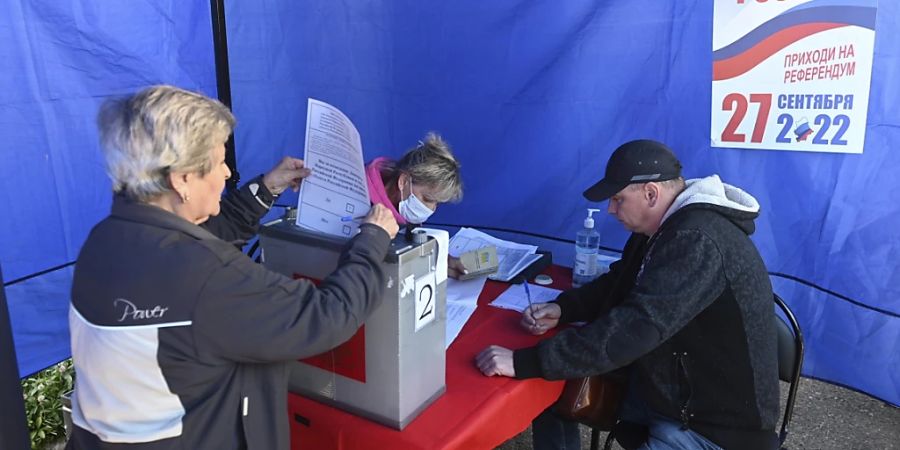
[{"x": 394, "y": 366}]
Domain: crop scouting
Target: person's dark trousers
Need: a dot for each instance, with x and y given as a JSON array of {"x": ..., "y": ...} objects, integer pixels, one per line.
[{"x": 551, "y": 432}]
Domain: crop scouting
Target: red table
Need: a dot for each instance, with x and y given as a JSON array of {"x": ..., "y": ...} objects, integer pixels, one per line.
[{"x": 476, "y": 412}]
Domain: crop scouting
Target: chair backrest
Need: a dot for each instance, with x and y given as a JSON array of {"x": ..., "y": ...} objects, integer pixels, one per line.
[{"x": 790, "y": 359}]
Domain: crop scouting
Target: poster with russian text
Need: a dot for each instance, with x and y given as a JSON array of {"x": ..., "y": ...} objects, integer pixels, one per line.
[{"x": 792, "y": 74}]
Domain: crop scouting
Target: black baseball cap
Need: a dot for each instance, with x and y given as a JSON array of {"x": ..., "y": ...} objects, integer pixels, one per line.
[{"x": 639, "y": 161}]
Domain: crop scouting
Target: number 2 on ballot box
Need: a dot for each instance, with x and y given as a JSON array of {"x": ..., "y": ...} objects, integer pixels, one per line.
[{"x": 426, "y": 296}]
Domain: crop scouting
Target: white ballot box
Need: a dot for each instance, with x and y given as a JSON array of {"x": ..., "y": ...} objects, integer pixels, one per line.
[{"x": 394, "y": 367}]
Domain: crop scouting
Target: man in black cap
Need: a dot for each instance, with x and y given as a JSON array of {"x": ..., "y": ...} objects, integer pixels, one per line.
[{"x": 688, "y": 309}]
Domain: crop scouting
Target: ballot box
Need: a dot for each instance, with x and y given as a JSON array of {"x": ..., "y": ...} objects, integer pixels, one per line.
[{"x": 394, "y": 366}]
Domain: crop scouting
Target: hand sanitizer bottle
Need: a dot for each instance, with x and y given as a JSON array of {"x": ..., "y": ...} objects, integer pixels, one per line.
[{"x": 587, "y": 242}]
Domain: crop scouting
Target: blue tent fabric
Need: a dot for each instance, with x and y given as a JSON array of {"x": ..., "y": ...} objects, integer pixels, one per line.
[
  {"x": 61, "y": 60},
  {"x": 39, "y": 309},
  {"x": 846, "y": 343},
  {"x": 533, "y": 96}
]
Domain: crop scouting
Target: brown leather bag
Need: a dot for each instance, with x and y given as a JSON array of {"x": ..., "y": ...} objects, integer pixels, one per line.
[{"x": 593, "y": 401}]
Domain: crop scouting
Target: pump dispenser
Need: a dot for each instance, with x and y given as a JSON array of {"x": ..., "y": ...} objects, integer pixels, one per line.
[{"x": 587, "y": 243}]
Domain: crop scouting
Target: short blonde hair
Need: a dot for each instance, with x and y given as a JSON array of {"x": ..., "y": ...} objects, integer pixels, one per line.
[
  {"x": 432, "y": 163},
  {"x": 159, "y": 130}
]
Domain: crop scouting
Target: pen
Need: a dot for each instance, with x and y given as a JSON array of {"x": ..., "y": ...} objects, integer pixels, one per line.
[
  {"x": 352, "y": 219},
  {"x": 528, "y": 296}
]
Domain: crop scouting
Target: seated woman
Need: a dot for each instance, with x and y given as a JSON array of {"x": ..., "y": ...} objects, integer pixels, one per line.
[
  {"x": 179, "y": 339},
  {"x": 413, "y": 187}
]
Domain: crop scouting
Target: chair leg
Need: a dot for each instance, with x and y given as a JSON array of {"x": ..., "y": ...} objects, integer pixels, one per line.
[
  {"x": 595, "y": 439},
  {"x": 609, "y": 440}
]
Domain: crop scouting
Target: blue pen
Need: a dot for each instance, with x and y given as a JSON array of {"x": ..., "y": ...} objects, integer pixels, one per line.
[
  {"x": 352, "y": 219},
  {"x": 528, "y": 296}
]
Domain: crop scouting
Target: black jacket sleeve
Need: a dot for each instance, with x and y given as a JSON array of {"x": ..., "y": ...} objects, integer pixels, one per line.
[
  {"x": 247, "y": 313},
  {"x": 681, "y": 277},
  {"x": 241, "y": 211},
  {"x": 595, "y": 298},
  {"x": 587, "y": 302}
]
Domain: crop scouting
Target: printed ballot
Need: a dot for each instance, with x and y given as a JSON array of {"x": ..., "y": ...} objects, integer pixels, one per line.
[{"x": 337, "y": 186}]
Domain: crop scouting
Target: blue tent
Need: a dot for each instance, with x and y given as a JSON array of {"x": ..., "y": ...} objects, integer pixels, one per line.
[{"x": 533, "y": 96}]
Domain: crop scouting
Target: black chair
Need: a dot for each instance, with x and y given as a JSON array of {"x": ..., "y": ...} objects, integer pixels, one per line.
[
  {"x": 790, "y": 361},
  {"x": 595, "y": 436}
]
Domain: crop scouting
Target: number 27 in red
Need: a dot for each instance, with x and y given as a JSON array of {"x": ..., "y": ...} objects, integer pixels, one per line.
[{"x": 738, "y": 103}]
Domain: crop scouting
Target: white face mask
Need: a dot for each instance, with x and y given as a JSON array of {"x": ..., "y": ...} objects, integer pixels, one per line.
[{"x": 413, "y": 210}]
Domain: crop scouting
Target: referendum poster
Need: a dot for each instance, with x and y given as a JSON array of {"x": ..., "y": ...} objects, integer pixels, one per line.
[{"x": 792, "y": 74}]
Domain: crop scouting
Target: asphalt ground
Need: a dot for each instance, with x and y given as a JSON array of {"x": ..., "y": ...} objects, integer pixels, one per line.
[{"x": 826, "y": 417}]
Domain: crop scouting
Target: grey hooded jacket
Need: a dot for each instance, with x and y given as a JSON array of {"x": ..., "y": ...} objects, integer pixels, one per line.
[{"x": 690, "y": 310}]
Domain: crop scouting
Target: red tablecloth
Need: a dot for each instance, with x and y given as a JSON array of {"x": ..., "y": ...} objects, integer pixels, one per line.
[{"x": 476, "y": 412}]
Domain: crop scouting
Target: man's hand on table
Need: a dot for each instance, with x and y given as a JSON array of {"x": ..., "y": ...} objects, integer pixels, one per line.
[
  {"x": 537, "y": 319},
  {"x": 496, "y": 360}
]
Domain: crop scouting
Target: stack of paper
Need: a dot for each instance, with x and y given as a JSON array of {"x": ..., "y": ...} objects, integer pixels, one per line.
[{"x": 513, "y": 257}]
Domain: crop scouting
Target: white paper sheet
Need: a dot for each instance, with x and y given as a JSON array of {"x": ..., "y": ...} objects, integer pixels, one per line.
[
  {"x": 512, "y": 256},
  {"x": 443, "y": 241},
  {"x": 457, "y": 316},
  {"x": 462, "y": 299},
  {"x": 514, "y": 297},
  {"x": 337, "y": 186},
  {"x": 465, "y": 291}
]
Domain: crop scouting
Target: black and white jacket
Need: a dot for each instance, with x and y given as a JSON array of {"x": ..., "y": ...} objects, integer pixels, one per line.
[
  {"x": 180, "y": 341},
  {"x": 691, "y": 311}
]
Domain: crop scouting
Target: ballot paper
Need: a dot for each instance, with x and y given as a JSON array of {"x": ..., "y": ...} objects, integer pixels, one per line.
[
  {"x": 462, "y": 299},
  {"x": 516, "y": 299},
  {"x": 336, "y": 189},
  {"x": 512, "y": 257}
]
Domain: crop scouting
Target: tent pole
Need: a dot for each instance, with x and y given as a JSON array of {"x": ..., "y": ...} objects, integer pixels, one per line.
[
  {"x": 223, "y": 81},
  {"x": 13, "y": 429}
]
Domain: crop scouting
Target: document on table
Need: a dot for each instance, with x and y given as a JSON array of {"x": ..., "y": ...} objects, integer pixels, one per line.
[
  {"x": 337, "y": 187},
  {"x": 462, "y": 299},
  {"x": 515, "y": 298},
  {"x": 513, "y": 257}
]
